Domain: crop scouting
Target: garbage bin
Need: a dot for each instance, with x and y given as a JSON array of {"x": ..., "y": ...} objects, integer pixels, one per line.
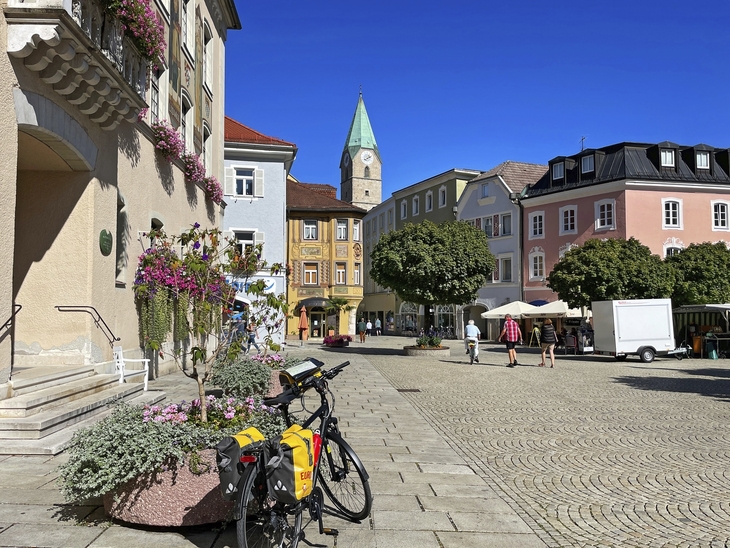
[
  {"x": 711, "y": 351},
  {"x": 697, "y": 345}
]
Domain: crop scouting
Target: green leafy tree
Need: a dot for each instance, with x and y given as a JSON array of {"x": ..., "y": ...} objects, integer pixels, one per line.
[
  {"x": 702, "y": 274},
  {"x": 602, "y": 270},
  {"x": 335, "y": 307},
  {"x": 428, "y": 263}
]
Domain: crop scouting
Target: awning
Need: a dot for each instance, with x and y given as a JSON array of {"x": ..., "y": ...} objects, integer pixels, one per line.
[
  {"x": 515, "y": 309},
  {"x": 313, "y": 302}
]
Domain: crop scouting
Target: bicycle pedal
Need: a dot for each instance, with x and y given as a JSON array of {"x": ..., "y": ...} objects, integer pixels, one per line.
[{"x": 331, "y": 532}]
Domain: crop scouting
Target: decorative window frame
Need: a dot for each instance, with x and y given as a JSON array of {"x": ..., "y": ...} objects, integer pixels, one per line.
[
  {"x": 501, "y": 270},
  {"x": 599, "y": 227},
  {"x": 502, "y": 232},
  {"x": 208, "y": 56},
  {"x": 715, "y": 226},
  {"x": 415, "y": 206},
  {"x": 404, "y": 209},
  {"x": 561, "y": 220},
  {"x": 308, "y": 223},
  {"x": 672, "y": 243},
  {"x": 680, "y": 217},
  {"x": 306, "y": 270},
  {"x": 429, "y": 201},
  {"x": 356, "y": 230},
  {"x": 531, "y": 218},
  {"x": 442, "y": 196},
  {"x": 340, "y": 273},
  {"x": 536, "y": 255},
  {"x": 343, "y": 224},
  {"x": 563, "y": 249}
]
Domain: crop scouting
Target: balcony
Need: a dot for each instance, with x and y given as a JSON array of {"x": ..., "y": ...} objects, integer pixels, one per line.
[{"x": 82, "y": 53}]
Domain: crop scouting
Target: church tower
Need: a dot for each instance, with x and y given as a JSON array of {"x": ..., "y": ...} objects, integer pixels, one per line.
[{"x": 360, "y": 167}]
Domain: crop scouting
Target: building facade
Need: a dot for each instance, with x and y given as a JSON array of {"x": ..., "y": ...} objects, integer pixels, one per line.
[
  {"x": 256, "y": 170},
  {"x": 665, "y": 195},
  {"x": 81, "y": 178}
]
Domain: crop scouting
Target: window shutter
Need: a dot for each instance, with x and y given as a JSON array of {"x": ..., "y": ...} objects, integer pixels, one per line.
[
  {"x": 258, "y": 183},
  {"x": 479, "y": 223},
  {"x": 258, "y": 238},
  {"x": 230, "y": 182},
  {"x": 495, "y": 226}
]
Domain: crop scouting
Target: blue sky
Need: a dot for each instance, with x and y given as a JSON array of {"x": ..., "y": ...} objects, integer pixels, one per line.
[{"x": 470, "y": 84}]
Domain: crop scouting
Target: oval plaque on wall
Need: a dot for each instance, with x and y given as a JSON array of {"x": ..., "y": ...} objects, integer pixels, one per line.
[{"x": 105, "y": 242}]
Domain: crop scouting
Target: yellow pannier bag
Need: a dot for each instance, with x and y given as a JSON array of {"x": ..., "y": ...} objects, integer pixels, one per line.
[
  {"x": 248, "y": 436},
  {"x": 289, "y": 462},
  {"x": 228, "y": 455}
]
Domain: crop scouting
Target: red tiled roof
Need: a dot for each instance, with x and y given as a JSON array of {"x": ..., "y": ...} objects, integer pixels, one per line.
[
  {"x": 238, "y": 133},
  {"x": 517, "y": 175},
  {"x": 303, "y": 197}
]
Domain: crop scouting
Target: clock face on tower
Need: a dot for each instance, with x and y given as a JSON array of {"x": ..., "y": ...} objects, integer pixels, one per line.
[
  {"x": 367, "y": 157},
  {"x": 346, "y": 159}
]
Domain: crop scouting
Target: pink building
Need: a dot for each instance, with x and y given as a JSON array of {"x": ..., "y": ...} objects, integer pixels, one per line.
[{"x": 665, "y": 195}]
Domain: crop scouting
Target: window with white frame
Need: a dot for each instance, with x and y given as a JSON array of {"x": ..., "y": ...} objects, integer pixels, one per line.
[
  {"x": 184, "y": 29},
  {"x": 672, "y": 208},
  {"x": 342, "y": 229},
  {"x": 244, "y": 181},
  {"x": 207, "y": 58},
  {"x": 558, "y": 170},
  {"x": 720, "y": 215},
  {"x": 414, "y": 209},
  {"x": 155, "y": 95},
  {"x": 703, "y": 159},
  {"x": 356, "y": 230},
  {"x": 340, "y": 273},
  {"x": 605, "y": 215},
  {"x": 310, "y": 274},
  {"x": 186, "y": 121},
  {"x": 537, "y": 266},
  {"x": 207, "y": 153},
  {"x": 670, "y": 251},
  {"x": 310, "y": 229},
  {"x": 506, "y": 222},
  {"x": 536, "y": 225},
  {"x": 357, "y": 274},
  {"x": 485, "y": 190},
  {"x": 403, "y": 209},
  {"x": 244, "y": 241},
  {"x": 667, "y": 157},
  {"x": 568, "y": 220},
  {"x": 586, "y": 164},
  {"x": 429, "y": 201},
  {"x": 505, "y": 269},
  {"x": 442, "y": 197}
]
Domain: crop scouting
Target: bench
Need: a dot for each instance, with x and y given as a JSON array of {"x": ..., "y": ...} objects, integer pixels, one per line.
[{"x": 120, "y": 366}]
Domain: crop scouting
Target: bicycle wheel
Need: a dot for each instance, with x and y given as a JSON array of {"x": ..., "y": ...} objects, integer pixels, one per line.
[
  {"x": 265, "y": 523},
  {"x": 344, "y": 479}
]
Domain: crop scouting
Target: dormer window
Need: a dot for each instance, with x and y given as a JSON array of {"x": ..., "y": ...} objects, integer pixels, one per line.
[
  {"x": 703, "y": 160},
  {"x": 558, "y": 170},
  {"x": 586, "y": 164},
  {"x": 667, "y": 157}
]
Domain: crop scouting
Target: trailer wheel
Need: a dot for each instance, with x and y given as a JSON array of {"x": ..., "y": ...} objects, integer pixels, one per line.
[
  {"x": 646, "y": 354},
  {"x": 620, "y": 357}
]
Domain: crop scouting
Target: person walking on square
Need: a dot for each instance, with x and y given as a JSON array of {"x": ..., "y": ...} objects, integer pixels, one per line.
[
  {"x": 361, "y": 327},
  {"x": 548, "y": 338},
  {"x": 251, "y": 330},
  {"x": 511, "y": 334},
  {"x": 378, "y": 325},
  {"x": 369, "y": 328}
]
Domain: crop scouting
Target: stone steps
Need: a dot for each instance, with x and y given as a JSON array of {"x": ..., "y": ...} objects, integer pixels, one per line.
[{"x": 50, "y": 377}]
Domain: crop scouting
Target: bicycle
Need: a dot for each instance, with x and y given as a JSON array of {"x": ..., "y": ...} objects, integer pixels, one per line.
[
  {"x": 262, "y": 521},
  {"x": 472, "y": 351}
]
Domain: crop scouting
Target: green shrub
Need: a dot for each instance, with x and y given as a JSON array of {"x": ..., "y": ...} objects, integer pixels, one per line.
[
  {"x": 427, "y": 341},
  {"x": 241, "y": 377},
  {"x": 136, "y": 440}
]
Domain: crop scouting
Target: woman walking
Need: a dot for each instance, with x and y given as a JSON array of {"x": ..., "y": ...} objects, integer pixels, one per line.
[{"x": 547, "y": 342}]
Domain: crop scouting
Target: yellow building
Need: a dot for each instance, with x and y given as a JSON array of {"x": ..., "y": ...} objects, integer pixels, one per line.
[{"x": 324, "y": 243}]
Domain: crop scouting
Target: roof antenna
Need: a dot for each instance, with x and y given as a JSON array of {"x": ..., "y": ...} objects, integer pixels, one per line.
[{"x": 582, "y": 143}]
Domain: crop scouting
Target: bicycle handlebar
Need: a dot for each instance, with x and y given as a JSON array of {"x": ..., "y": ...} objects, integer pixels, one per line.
[{"x": 290, "y": 394}]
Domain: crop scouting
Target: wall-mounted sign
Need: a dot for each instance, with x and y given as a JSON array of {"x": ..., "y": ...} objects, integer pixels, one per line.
[{"x": 105, "y": 242}]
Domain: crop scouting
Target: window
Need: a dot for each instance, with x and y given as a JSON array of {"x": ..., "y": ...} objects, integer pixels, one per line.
[
  {"x": 605, "y": 215},
  {"x": 367, "y": 228},
  {"x": 537, "y": 266},
  {"x": 310, "y": 274},
  {"x": 207, "y": 58},
  {"x": 672, "y": 213},
  {"x": 536, "y": 227},
  {"x": 381, "y": 220},
  {"x": 340, "y": 274},
  {"x": 390, "y": 217},
  {"x": 342, "y": 229},
  {"x": 244, "y": 242},
  {"x": 487, "y": 227},
  {"x": 186, "y": 122},
  {"x": 244, "y": 182},
  {"x": 429, "y": 201},
  {"x": 586, "y": 164},
  {"x": 207, "y": 152},
  {"x": 403, "y": 209},
  {"x": 357, "y": 274},
  {"x": 155, "y": 96},
  {"x": 367, "y": 172},
  {"x": 442, "y": 197},
  {"x": 670, "y": 251},
  {"x": 356, "y": 231},
  {"x": 310, "y": 229},
  {"x": 507, "y": 224},
  {"x": 485, "y": 190},
  {"x": 719, "y": 216},
  {"x": 558, "y": 170},
  {"x": 505, "y": 269},
  {"x": 415, "y": 205},
  {"x": 567, "y": 220},
  {"x": 703, "y": 160},
  {"x": 184, "y": 21},
  {"x": 667, "y": 157}
]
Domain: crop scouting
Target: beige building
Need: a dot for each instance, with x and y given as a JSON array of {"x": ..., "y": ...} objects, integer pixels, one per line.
[{"x": 79, "y": 174}]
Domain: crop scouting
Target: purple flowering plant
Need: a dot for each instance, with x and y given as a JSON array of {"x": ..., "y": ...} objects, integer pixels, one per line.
[
  {"x": 194, "y": 170},
  {"x": 167, "y": 140},
  {"x": 223, "y": 413},
  {"x": 213, "y": 189},
  {"x": 141, "y": 25}
]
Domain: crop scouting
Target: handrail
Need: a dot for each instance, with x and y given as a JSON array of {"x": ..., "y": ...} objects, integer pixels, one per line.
[
  {"x": 98, "y": 320},
  {"x": 16, "y": 309}
]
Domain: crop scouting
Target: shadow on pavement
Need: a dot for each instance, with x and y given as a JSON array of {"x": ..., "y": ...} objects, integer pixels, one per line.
[
  {"x": 365, "y": 350},
  {"x": 714, "y": 388}
]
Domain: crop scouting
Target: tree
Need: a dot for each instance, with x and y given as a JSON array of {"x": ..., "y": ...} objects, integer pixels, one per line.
[
  {"x": 602, "y": 270},
  {"x": 428, "y": 263},
  {"x": 702, "y": 274},
  {"x": 335, "y": 306}
]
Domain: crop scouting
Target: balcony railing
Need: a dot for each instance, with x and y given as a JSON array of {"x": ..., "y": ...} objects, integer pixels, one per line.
[{"x": 81, "y": 52}]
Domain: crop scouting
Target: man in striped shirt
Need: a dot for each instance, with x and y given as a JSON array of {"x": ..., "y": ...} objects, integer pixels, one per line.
[{"x": 511, "y": 334}]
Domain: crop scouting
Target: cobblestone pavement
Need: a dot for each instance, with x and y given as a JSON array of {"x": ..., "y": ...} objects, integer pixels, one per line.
[{"x": 594, "y": 452}]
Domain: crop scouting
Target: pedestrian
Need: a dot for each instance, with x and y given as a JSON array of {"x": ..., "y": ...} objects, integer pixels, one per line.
[
  {"x": 511, "y": 334},
  {"x": 548, "y": 338},
  {"x": 361, "y": 326},
  {"x": 472, "y": 333},
  {"x": 251, "y": 330},
  {"x": 369, "y": 328},
  {"x": 378, "y": 325}
]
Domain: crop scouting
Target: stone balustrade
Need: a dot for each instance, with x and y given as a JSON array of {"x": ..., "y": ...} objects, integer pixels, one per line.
[{"x": 82, "y": 53}]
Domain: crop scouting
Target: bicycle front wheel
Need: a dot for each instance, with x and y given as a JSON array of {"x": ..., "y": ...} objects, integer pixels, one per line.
[
  {"x": 266, "y": 523},
  {"x": 344, "y": 479}
]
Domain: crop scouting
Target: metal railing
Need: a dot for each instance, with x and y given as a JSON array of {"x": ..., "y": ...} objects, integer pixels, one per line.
[
  {"x": 9, "y": 323},
  {"x": 98, "y": 320}
]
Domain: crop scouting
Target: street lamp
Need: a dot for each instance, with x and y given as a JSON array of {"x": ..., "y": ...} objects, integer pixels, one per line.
[{"x": 455, "y": 210}]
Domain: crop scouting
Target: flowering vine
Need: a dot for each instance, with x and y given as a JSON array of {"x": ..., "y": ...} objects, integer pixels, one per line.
[{"x": 141, "y": 25}]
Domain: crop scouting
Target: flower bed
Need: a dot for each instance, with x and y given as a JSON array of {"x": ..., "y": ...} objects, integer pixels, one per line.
[{"x": 337, "y": 340}]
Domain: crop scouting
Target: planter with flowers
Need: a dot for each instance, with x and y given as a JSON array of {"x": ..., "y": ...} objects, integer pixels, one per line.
[
  {"x": 337, "y": 340},
  {"x": 427, "y": 346}
]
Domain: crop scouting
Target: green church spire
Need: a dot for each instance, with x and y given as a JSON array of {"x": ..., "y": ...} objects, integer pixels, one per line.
[{"x": 361, "y": 132}]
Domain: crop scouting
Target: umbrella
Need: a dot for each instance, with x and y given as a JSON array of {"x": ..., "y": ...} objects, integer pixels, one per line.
[
  {"x": 303, "y": 321},
  {"x": 516, "y": 309},
  {"x": 556, "y": 309}
]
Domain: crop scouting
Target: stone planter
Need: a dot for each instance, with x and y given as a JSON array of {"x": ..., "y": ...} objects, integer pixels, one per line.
[
  {"x": 427, "y": 351},
  {"x": 172, "y": 498},
  {"x": 338, "y": 344}
]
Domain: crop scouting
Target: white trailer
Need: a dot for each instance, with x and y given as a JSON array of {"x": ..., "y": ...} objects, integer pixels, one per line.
[{"x": 641, "y": 327}]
